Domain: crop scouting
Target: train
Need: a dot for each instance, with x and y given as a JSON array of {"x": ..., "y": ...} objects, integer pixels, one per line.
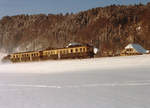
[{"x": 71, "y": 51}]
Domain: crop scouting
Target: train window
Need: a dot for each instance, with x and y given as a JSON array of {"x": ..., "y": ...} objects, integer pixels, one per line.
[
  {"x": 80, "y": 49},
  {"x": 76, "y": 50},
  {"x": 57, "y": 52},
  {"x": 83, "y": 49},
  {"x": 71, "y": 50},
  {"x": 52, "y": 52},
  {"x": 88, "y": 49},
  {"x": 64, "y": 51}
]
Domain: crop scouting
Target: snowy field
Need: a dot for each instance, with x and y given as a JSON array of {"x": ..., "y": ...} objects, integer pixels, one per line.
[{"x": 117, "y": 82}]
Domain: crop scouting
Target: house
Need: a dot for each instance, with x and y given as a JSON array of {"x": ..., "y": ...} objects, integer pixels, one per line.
[{"x": 133, "y": 49}]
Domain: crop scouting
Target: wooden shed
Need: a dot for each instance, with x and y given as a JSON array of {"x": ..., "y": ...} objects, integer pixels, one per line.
[{"x": 133, "y": 49}]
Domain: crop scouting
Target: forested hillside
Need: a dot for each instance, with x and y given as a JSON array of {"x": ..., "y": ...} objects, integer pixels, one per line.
[{"x": 108, "y": 28}]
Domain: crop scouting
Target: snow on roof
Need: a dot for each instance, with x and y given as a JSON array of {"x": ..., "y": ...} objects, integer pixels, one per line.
[
  {"x": 74, "y": 44},
  {"x": 137, "y": 47}
]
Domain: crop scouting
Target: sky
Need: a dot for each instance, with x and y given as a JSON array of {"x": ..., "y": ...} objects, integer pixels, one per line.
[{"x": 14, "y": 7}]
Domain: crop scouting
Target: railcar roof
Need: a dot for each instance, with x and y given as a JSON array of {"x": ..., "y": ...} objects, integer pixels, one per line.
[
  {"x": 47, "y": 50},
  {"x": 25, "y": 52},
  {"x": 65, "y": 48}
]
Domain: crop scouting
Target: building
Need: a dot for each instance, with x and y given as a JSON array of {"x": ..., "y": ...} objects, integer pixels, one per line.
[{"x": 133, "y": 49}]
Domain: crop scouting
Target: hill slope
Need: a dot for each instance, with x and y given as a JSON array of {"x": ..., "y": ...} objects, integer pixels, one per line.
[{"x": 109, "y": 28}]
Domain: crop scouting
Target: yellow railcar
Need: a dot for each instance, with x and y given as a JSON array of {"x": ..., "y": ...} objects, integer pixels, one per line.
[
  {"x": 25, "y": 56},
  {"x": 64, "y": 53}
]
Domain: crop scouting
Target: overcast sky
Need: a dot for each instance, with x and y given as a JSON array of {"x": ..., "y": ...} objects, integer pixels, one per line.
[{"x": 13, "y": 7}]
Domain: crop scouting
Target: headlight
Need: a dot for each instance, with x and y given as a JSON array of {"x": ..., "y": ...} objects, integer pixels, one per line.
[{"x": 95, "y": 50}]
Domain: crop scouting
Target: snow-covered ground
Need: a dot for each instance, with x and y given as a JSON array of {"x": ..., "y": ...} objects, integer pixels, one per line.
[{"x": 117, "y": 82}]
